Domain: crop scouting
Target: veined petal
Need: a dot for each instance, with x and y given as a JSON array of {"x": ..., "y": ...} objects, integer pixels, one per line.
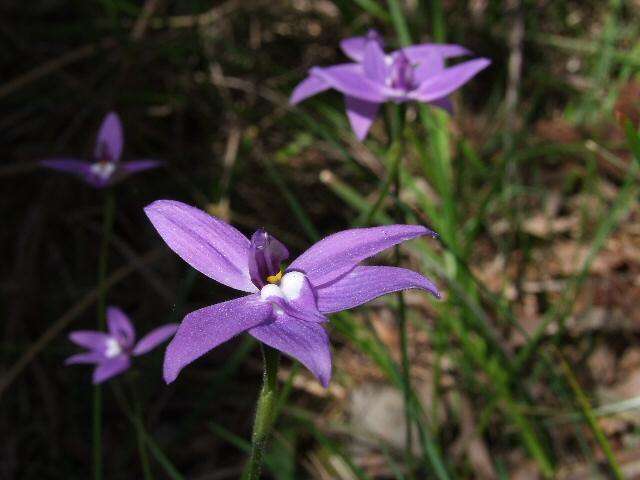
[
  {"x": 374, "y": 62},
  {"x": 361, "y": 115},
  {"x": 417, "y": 53},
  {"x": 306, "y": 342},
  {"x": 69, "y": 165},
  {"x": 363, "y": 284},
  {"x": 310, "y": 86},
  {"x": 448, "y": 80},
  {"x": 120, "y": 327},
  {"x": 154, "y": 338},
  {"x": 336, "y": 254},
  {"x": 110, "y": 368},
  {"x": 351, "y": 80},
  {"x": 95, "y": 341},
  {"x": 205, "y": 329},
  {"x": 208, "y": 244},
  {"x": 110, "y": 139},
  {"x": 85, "y": 357}
]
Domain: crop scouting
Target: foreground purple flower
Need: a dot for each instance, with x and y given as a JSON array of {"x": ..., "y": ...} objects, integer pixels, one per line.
[
  {"x": 111, "y": 352},
  {"x": 417, "y": 73},
  {"x": 105, "y": 168},
  {"x": 285, "y": 309}
]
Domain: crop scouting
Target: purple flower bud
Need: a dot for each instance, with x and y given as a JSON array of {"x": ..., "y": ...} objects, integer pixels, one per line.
[{"x": 265, "y": 257}]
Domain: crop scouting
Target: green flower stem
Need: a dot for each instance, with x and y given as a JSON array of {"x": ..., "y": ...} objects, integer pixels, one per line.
[
  {"x": 108, "y": 216},
  {"x": 265, "y": 410}
]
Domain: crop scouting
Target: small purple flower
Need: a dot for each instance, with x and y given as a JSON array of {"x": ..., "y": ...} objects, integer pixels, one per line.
[
  {"x": 105, "y": 168},
  {"x": 414, "y": 73},
  {"x": 284, "y": 309},
  {"x": 111, "y": 352}
]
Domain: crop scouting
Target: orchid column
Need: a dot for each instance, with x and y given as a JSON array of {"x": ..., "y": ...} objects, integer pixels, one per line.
[
  {"x": 101, "y": 172},
  {"x": 412, "y": 73}
]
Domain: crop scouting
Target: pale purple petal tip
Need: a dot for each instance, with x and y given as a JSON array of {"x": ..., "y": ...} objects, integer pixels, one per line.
[
  {"x": 336, "y": 254},
  {"x": 208, "y": 244},
  {"x": 139, "y": 166},
  {"x": 110, "y": 139},
  {"x": 90, "y": 339},
  {"x": 110, "y": 368},
  {"x": 361, "y": 115},
  {"x": 68, "y": 165},
  {"x": 449, "y": 80},
  {"x": 363, "y": 284},
  {"x": 154, "y": 338},
  {"x": 351, "y": 80},
  {"x": 306, "y": 342},
  {"x": 310, "y": 86},
  {"x": 205, "y": 329},
  {"x": 85, "y": 357}
]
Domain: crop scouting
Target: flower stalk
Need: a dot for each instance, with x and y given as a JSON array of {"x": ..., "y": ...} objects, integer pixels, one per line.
[
  {"x": 266, "y": 406},
  {"x": 108, "y": 216}
]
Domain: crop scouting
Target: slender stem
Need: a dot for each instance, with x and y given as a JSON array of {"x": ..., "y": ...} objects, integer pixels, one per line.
[
  {"x": 139, "y": 428},
  {"x": 264, "y": 413},
  {"x": 108, "y": 215}
]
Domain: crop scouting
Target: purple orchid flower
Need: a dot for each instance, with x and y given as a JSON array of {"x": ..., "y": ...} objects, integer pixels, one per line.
[
  {"x": 284, "y": 309},
  {"x": 413, "y": 73},
  {"x": 111, "y": 352},
  {"x": 106, "y": 168}
]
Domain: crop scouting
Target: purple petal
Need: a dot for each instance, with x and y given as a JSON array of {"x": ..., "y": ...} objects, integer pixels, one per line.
[
  {"x": 205, "y": 329},
  {"x": 430, "y": 66},
  {"x": 363, "y": 284},
  {"x": 120, "y": 327},
  {"x": 354, "y": 47},
  {"x": 310, "y": 86},
  {"x": 85, "y": 357},
  {"x": 69, "y": 165},
  {"x": 110, "y": 139},
  {"x": 95, "y": 341},
  {"x": 351, "y": 80},
  {"x": 361, "y": 115},
  {"x": 154, "y": 338},
  {"x": 448, "y": 80},
  {"x": 307, "y": 342},
  {"x": 208, "y": 244},
  {"x": 417, "y": 53},
  {"x": 110, "y": 368},
  {"x": 336, "y": 254},
  {"x": 444, "y": 103},
  {"x": 374, "y": 62},
  {"x": 138, "y": 166}
]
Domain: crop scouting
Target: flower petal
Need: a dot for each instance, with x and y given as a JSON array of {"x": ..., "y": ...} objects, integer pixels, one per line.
[
  {"x": 350, "y": 79},
  {"x": 69, "y": 165},
  {"x": 295, "y": 296},
  {"x": 138, "y": 166},
  {"x": 110, "y": 139},
  {"x": 354, "y": 47},
  {"x": 374, "y": 62},
  {"x": 336, "y": 254},
  {"x": 363, "y": 284},
  {"x": 208, "y": 244},
  {"x": 154, "y": 338},
  {"x": 310, "y": 86},
  {"x": 417, "y": 53},
  {"x": 307, "y": 342},
  {"x": 448, "y": 80},
  {"x": 95, "y": 341},
  {"x": 111, "y": 368},
  {"x": 444, "y": 103},
  {"x": 85, "y": 357},
  {"x": 120, "y": 327},
  {"x": 205, "y": 329},
  {"x": 430, "y": 66},
  {"x": 361, "y": 115}
]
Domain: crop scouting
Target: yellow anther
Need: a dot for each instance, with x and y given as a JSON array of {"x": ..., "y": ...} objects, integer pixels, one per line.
[{"x": 275, "y": 278}]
